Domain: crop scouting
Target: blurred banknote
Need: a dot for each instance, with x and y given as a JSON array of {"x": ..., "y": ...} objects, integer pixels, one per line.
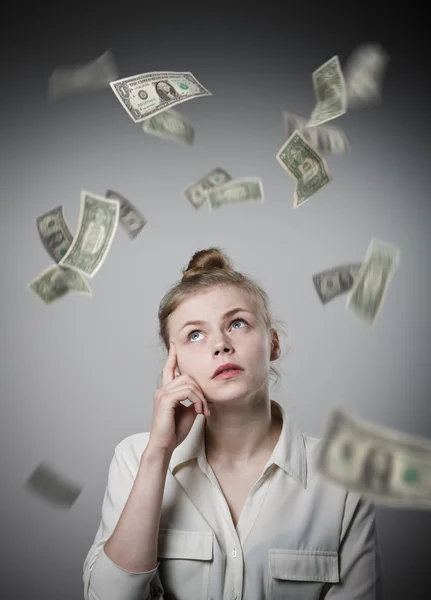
[
  {"x": 336, "y": 281},
  {"x": 52, "y": 486},
  {"x": 54, "y": 233},
  {"x": 170, "y": 125},
  {"x": 369, "y": 290},
  {"x": 364, "y": 71},
  {"x": 98, "y": 221},
  {"x": 390, "y": 467},
  {"x": 131, "y": 219},
  {"x": 196, "y": 193},
  {"x": 305, "y": 166},
  {"x": 147, "y": 94},
  {"x": 94, "y": 75},
  {"x": 55, "y": 282},
  {"x": 246, "y": 189},
  {"x": 326, "y": 140},
  {"x": 330, "y": 89}
]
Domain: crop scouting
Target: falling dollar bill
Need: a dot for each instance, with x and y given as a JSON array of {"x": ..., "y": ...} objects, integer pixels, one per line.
[
  {"x": 326, "y": 140},
  {"x": 246, "y": 189},
  {"x": 170, "y": 125},
  {"x": 390, "y": 467},
  {"x": 54, "y": 233},
  {"x": 196, "y": 194},
  {"x": 55, "y": 282},
  {"x": 330, "y": 90},
  {"x": 52, "y": 486},
  {"x": 94, "y": 75},
  {"x": 305, "y": 166},
  {"x": 336, "y": 281},
  {"x": 131, "y": 219},
  {"x": 363, "y": 72},
  {"x": 147, "y": 94},
  {"x": 369, "y": 290},
  {"x": 98, "y": 221}
]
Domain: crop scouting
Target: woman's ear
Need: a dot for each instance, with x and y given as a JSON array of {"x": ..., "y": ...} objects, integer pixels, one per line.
[{"x": 275, "y": 345}]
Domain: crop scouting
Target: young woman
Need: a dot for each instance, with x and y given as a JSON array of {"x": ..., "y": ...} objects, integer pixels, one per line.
[{"x": 221, "y": 500}]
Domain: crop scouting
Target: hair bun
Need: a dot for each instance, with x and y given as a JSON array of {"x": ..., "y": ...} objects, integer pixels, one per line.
[{"x": 207, "y": 260}]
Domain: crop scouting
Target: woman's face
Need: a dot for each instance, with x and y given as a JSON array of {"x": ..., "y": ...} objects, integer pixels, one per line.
[{"x": 241, "y": 338}]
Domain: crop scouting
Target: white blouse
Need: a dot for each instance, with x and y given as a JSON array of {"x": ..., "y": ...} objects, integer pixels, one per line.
[{"x": 299, "y": 537}]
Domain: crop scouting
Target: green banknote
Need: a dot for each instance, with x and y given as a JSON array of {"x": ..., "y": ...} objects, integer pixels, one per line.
[
  {"x": 54, "y": 233},
  {"x": 246, "y": 189},
  {"x": 364, "y": 72},
  {"x": 95, "y": 75},
  {"x": 98, "y": 221},
  {"x": 335, "y": 281},
  {"x": 330, "y": 90},
  {"x": 305, "y": 165},
  {"x": 145, "y": 95},
  {"x": 196, "y": 193},
  {"x": 55, "y": 282},
  {"x": 366, "y": 297},
  {"x": 389, "y": 467},
  {"x": 325, "y": 140},
  {"x": 171, "y": 125},
  {"x": 52, "y": 486},
  {"x": 130, "y": 218}
]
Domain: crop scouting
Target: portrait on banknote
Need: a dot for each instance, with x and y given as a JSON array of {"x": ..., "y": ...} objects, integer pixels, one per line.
[
  {"x": 377, "y": 470},
  {"x": 166, "y": 91},
  {"x": 346, "y": 280}
]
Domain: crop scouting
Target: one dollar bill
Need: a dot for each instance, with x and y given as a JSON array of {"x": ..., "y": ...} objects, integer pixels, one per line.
[
  {"x": 196, "y": 193},
  {"x": 54, "y": 233},
  {"x": 389, "y": 467},
  {"x": 330, "y": 89},
  {"x": 325, "y": 140},
  {"x": 306, "y": 167},
  {"x": 145, "y": 95},
  {"x": 246, "y": 189},
  {"x": 364, "y": 73},
  {"x": 98, "y": 221},
  {"x": 367, "y": 295},
  {"x": 131, "y": 219},
  {"x": 50, "y": 485},
  {"x": 336, "y": 281},
  {"x": 170, "y": 125},
  {"x": 96, "y": 75},
  {"x": 55, "y": 282}
]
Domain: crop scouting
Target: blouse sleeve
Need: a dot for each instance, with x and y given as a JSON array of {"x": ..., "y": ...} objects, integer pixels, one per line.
[{"x": 103, "y": 579}]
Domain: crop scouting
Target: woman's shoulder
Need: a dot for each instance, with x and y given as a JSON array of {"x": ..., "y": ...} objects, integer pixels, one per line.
[
  {"x": 312, "y": 445},
  {"x": 133, "y": 445},
  {"x": 322, "y": 486}
]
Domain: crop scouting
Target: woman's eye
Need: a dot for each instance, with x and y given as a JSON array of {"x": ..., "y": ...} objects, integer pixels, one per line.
[
  {"x": 197, "y": 331},
  {"x": 190, "y": 334},
  {"x": 238, "y": 320}
]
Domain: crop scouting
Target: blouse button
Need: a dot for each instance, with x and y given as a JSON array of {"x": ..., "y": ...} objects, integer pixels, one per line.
[{"x": 234, "y": 554}]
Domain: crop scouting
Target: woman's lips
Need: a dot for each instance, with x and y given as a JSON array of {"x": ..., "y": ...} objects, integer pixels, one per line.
[{"x": 228, "y": 374}]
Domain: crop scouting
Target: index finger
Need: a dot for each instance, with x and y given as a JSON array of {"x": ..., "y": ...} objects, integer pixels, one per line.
[{"x": 170, "y": 365}]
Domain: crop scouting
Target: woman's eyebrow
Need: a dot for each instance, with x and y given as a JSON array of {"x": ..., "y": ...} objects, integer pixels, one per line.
[{"x": 226, "y": 314}]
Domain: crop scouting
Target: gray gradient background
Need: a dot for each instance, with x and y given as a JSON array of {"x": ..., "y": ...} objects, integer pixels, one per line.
[{"x": 80, "y": 375}]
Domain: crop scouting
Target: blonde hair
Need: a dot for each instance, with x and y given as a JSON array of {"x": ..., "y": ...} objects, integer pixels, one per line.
[{"x": 208, "y": 268}]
